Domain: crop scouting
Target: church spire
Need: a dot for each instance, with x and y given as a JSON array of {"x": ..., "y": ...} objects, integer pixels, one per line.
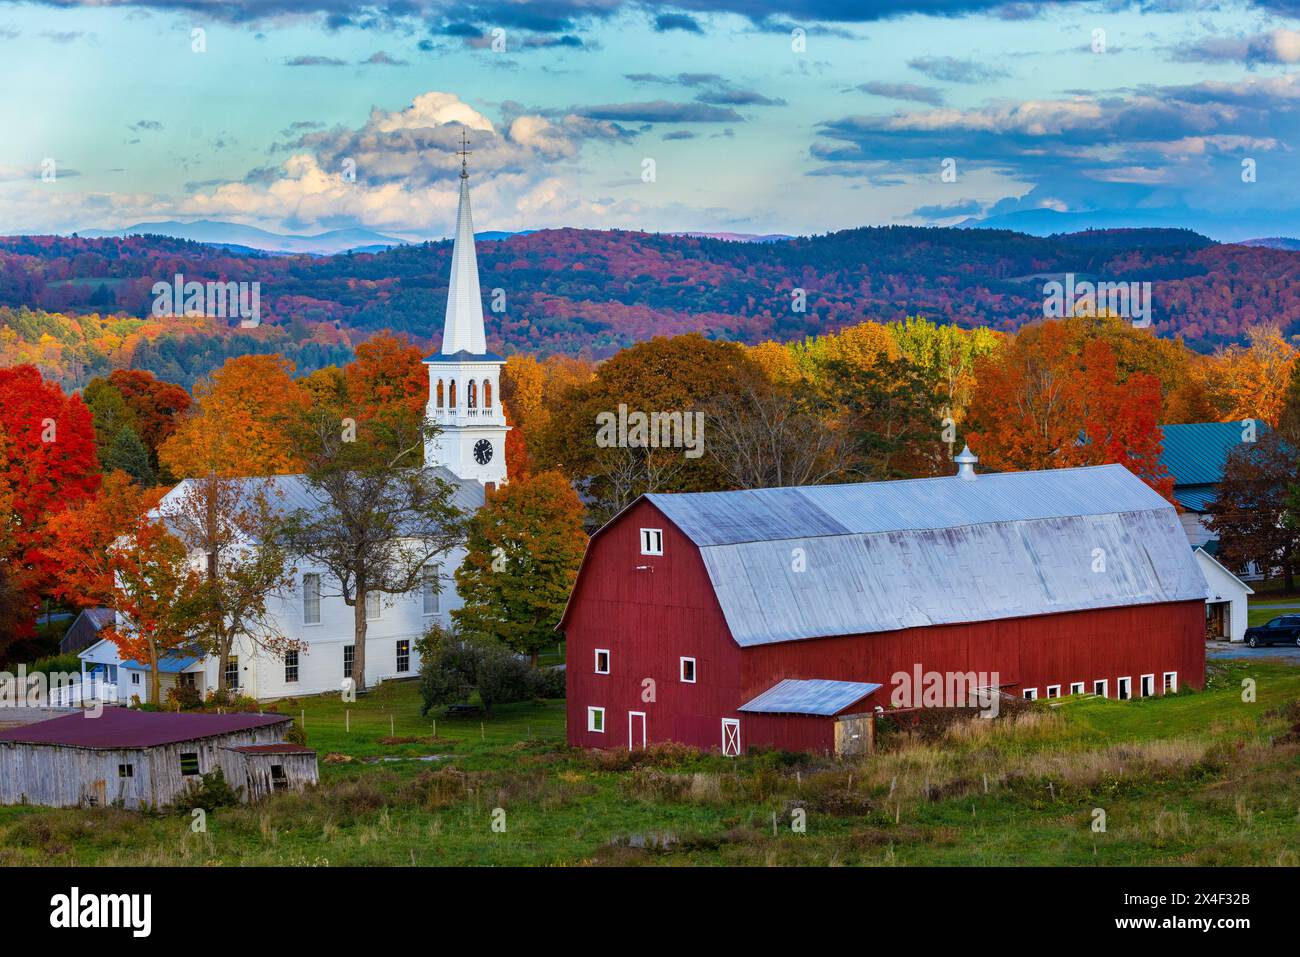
[{"x": 463, "y": 330}]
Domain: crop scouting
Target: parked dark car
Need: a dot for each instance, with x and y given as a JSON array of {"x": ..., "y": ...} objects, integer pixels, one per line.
[{"x": 1284, "y": 630}]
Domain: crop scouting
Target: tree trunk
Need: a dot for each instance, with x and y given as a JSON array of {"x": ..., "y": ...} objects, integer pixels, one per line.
[
  {"x": 359, "y": 641},
  {"x": 532, "y": 658},
  {"x": 155, "y": 679}
]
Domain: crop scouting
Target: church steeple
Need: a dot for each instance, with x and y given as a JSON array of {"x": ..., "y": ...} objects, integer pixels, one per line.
[
  {"x": 463, "y": 328},
  {"x": 464, "y": 378}
]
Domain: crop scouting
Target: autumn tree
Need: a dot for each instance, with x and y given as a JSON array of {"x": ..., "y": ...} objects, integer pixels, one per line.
[
  {"x": 380, "y": 517},
  {"x": 233, "y": 525},
  {"x": 1251, "y": 513},
  {"x": 241, "y": 422},
  {"x": 50, "y": 464},
  {"x": 155, "y": 593},
  {"x": 524, "y": 549},
  {"x": 83, "y": 536},
  {"x": 677, "y": 376},
  {"x": 109, "y": 413},
  {"x": 1249, "y": 382},
  {"x": 1288, "y": 420},
  {"x": 387, "y": 370}
]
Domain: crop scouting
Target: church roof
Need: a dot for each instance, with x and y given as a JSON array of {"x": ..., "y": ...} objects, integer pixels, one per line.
[
  {"x": 463, "y": 330},
  {"x": 463, "y": 356}
]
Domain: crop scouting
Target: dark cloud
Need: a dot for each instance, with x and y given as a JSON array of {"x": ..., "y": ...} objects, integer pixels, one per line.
[
  {"x": 677, "y": 21},
  {"x": 380, "y": 58},
  {"x": 313, "y": 60},
  {"x": 904, "y": 91},
  {"x": 151, "y": 126},
  {"x": 961, "y": 207},
  {"x": 952, "y": 70},
  {"x": 679, "y": 135},
  {"x": 717, "y": 90},
  {"x": 660, "y": 111}
]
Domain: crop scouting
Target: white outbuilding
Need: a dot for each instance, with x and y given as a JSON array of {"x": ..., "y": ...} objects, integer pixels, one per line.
[{"x": 1225, "y": 599}]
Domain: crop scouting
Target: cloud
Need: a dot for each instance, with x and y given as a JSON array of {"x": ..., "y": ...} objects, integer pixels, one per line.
[
  {"x": 677, "y": 21},
  {"x": 679, "y": 135},
  {"x": 716, "y": 89},
  {"x": 151, "y": 126},
  {"x": 660, "y": 111},
  {"x": 904, "y": 91},
  {"x": 1276, "y": 46},
  {"x": 313, "y": 60},
  {"x": 380, "y": 58},
  {"x": 952, "y": 70}
]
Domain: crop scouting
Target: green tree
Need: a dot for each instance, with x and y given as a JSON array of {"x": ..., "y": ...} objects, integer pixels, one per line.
[
  {"x": 127, "y": 453},
  {"x": 524, "y": 548}
]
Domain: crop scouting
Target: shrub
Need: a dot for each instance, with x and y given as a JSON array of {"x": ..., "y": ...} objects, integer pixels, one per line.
[
  {"x": 211, "y": 791},
  {"x": 183, "y": 698},
  {"x": 66, "y": 664},
  {"x": 548, "y": 682}
]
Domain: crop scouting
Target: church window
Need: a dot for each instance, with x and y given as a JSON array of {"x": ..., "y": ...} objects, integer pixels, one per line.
[
  {"x": 451, "y": 393},
  {"x": 311, "y": 599},
  {"x": 487, "y": 393},
  {"x": 430, "y": 589},
  {"x": 472, "y": 394},
  {"x": 374, "y": 608},
  {"x": 440, "y": 396}
]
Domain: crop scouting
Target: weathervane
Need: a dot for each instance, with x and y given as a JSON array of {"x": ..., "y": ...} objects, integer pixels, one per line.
[{"x": 464, "y": 152}]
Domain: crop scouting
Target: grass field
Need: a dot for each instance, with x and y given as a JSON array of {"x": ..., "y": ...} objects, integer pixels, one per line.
[{"x": 1196, "y": 778}]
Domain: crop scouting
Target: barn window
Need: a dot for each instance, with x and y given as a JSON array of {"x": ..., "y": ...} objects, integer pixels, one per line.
[
  {"x": 1053, "y": 691},
  {"x": 1031, "y": 694},
  {"x": 429, "y": 588},
  {"x": 652, "y": 541},
  {"x": 290, "y": 667},
  {"x": 596, "y": 719},
  {"x": 1125, "y": 689},
  {"x": 278, "y": 780},
  {"x": 1101, "y": 687},
  {"x": 1147, "y": 686},
  {"x": 602, "y": 661},
  {"x": 232, "y": 671},
  {"x": 125, "y": 771},
  {"x": 1076, "y": 687},
  {"x": 311, "y": 599},
  {"x": 349, "y": 656},
  {"x": 1170, "y": 682},
  {"x": 189, "y": 763},
  {"x": 403, "y": 656},
  {"x": 688, "y": 670}
]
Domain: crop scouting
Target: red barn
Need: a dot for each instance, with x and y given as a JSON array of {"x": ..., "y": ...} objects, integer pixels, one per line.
[{"x": 772, "y": 617}]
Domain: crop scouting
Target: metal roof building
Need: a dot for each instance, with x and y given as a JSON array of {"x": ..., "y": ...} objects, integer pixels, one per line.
[{"x": 787, "y": 601}]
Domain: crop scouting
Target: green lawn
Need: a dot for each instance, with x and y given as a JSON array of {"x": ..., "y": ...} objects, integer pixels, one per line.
[
  {"x": 1260, "y": 612},
  {"x": 1195, "y": 778}
]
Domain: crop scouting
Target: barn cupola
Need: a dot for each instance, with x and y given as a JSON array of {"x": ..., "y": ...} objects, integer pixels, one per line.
[
  {"x": 966, "y": 461},
  {"x": 464, "y": 378}
]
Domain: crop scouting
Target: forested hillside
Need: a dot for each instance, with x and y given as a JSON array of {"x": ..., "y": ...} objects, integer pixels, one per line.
[{"x": 571, "y": 291}]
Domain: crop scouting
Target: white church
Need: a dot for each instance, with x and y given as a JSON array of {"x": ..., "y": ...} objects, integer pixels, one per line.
[{"x": 469, "y": 451}]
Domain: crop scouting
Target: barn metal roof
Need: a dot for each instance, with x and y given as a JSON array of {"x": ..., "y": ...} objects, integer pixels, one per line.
[
  {"x": 817, "y": 561},
  {"x": 116, "y": 728},
  {"x": 818, "y": 696},
  {"x": 1195, "y": 453}
]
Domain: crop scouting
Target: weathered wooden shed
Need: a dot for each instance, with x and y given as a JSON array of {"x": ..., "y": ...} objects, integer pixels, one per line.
[{"x": 121, "y": 756}]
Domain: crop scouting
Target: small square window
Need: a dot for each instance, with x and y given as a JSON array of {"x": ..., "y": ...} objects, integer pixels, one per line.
[
  {"x": 135, "y": 677},
  {"x": 189, "y": 763},
  {"x": 125, "y": 771},
  {"x": 1031, "y": 694},
  {"x": 652, "y": 541},
  {"x": 1170, "y": 682},
  {"x": 602, "y": 661},
  {"x": 1053, "y": 691},
  {"x": 1076, "y": 687},
  {"x": 596, "y": 720},
  {"x": 688, "y": 670}
]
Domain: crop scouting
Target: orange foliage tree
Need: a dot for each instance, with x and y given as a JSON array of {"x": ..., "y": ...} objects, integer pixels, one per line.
[{"x": 241, "y": 424}]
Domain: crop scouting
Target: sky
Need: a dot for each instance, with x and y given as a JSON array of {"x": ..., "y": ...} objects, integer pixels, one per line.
[{"x": 785, "y": 116}]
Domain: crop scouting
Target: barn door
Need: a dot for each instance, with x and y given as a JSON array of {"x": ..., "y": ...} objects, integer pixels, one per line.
[
  {"x": 730, "y": 737},
  {"x": 635, "y": 730}
]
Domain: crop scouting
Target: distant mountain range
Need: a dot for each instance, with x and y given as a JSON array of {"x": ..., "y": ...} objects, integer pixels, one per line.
[{"x": 245, "y": 238}]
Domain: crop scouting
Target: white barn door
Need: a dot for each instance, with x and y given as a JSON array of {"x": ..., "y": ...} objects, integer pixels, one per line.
[{"x": 730, "y": 737}]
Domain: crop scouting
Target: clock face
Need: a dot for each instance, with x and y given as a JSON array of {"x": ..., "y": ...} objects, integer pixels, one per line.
[{"x": 482, "y": 451}]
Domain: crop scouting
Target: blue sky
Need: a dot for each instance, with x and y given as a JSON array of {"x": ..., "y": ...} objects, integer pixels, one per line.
[{"x": 746, "y": 132}]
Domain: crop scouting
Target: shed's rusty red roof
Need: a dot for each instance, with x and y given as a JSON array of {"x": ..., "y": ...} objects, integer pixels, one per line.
[{"x": 128, "y": 728}]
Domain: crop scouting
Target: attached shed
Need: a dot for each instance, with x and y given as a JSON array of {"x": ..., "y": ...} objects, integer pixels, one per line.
[
  {"x": 692, "y": 612},
  {"x": 1227, "y": 600},
  {"x": 140, "y": 758},
  {"x": 262, "y": 769}
]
